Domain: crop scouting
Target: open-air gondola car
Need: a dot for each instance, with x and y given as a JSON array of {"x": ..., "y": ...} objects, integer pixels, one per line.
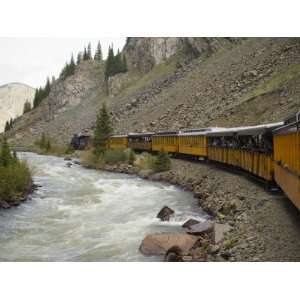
[
  {"x": 249, "y": 148},
  {"x": 140, "y": 141},
  {"x": 287, "y": 158}
]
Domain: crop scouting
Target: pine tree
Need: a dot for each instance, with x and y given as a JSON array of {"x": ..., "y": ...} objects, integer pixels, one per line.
[
  {"x": 47, "y": 87},
  {"x": 35, "y": 99},
  {"x": 6, "y": 126},
  {"x": 71, "y": 67},
  {"x": 11, "y": 122},
  {"x": 89, "y": 51},
  {"x": 5, "y": 155},
  {"x": 102, "y": 130},
  {"x": 52, "y": 80},
  {"x": 48, "y": 145},
  {"x": 109, "y": 66},
  {"x": 118, "y": 64},
  {"x": 79, "y": 58},
  {"x": 43, "y": 141},
  {"x": 124, "y": 64},
  {"x": 27, "y": 107},
  {"x": 98, "y": 53},
  {"x": 84, "y": 57}
]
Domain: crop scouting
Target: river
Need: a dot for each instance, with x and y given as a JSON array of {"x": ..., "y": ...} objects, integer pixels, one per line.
[{"x": 85, "y": 215}]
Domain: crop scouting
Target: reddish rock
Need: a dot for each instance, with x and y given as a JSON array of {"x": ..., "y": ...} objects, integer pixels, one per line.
[{"x": 159, "y": 244}]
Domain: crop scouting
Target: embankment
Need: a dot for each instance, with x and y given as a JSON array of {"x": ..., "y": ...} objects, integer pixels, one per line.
[{"x": 265, "y": 226}]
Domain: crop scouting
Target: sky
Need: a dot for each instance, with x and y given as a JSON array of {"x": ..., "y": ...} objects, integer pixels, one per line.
[{"x": 31, "y": 60}]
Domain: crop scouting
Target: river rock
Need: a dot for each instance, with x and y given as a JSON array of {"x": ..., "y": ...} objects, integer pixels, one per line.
[
  {"x": 159, "y": 244},
  {"x": 68, "y": 165},
  {"x": 219, "y": 232},
  {"x": 165, "y": 213},
  {"x": 4, "y": 204},
  {"x": 174, "y": 254},
  {"x": 190, "y": 223},
  {"x": 200, "y": 228},
  {"x": 67, "y": 158}
]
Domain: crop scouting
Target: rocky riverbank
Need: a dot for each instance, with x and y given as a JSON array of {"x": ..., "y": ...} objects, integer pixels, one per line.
[
  {"x": 263, "y": 226},
  {"x": 5, "y": 204}
]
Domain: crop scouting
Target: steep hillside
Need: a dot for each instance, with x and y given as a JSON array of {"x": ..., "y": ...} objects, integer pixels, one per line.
[
  {"x": 12, "y": 99},
  {"x": 176, "y": 83},
  {"x": 60, "y": 114}
]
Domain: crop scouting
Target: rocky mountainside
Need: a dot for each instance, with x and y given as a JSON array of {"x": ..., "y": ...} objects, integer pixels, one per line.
[
  {"x": 12, "y": 99},
  {"x": 176, "y": 83}
]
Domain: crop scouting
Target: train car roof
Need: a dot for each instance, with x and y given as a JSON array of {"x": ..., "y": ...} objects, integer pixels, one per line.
[
  {"x": 166, "y": 133},
  {"x": 137, "y": 134},
  {"x": 287, "y": 128},
  {"x": 118, "y": 135},
  {"x": 245, "y": 130},
  {"x": 202, "y": 131}
]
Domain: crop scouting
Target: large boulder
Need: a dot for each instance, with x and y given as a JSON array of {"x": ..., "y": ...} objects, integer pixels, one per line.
[
  {"x": 165, "y": 213},
  {"x": 201, "y": 228},
  {"x": 159, "y": 244}
]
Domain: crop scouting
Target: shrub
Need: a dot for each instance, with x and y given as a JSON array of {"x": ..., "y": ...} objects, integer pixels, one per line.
[
  {"x": 45, "y": 145},
  {"x": 115, "y": 156},
  {"x": 162, "y": 162},
  {"x": 131, "y": 157},
  {"x": 15, "y": 176},
  {"x": 145, "y": 161}
]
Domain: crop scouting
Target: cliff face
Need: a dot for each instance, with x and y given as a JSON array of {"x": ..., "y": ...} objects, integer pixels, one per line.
[
  {"x": 175, "y": 83},
  {"x": 12, "y": 99},
  {"x": 145, "y": 53}
]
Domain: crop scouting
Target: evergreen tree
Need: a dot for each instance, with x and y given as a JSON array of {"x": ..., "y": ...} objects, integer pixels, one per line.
[
  {"x": 71, "y": 67},
  {"x": 102, "y": 130},
  {"x": 47, "y": 88},
  {"x": 98, "y": 53},
  {"x": 109, "y": 66},
  {"x": 115, "y": 63},
  {"x": 79, "y": 58},
  {"x": 35, "y": 99},
  {"x": 89, "y": 51},
  {"x": 124, "y": 64},
  {"x": 48, "y": 145},
  {"x": 43, "y": 141},
  {"x": 6, "y": 126},
  {"x": 118, "y": 64},
  {"x": 85, "y": 56},
  {"x": 27, "y": 107},
  {"x": 11, "y": 122},
  {"x": 5, "y": 155},
  {"x": 52, "y": 80}
]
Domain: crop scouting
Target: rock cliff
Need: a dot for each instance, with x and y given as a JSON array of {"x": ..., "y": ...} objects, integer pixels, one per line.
[{"x": 12, "y": 99}]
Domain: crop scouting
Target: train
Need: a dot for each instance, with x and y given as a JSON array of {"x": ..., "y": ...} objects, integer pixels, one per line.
[{"x": 270, "y": 152}]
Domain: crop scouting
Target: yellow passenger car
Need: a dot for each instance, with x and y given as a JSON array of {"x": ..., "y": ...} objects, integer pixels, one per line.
[
  {"x": 165, "y": 142},
  {"x": 118, "y": 142},
  {"x": 193, "y": 142},
  {"x": 140, "y": 141},
  {"x": 247, "y": 148},
  {"x": 287, "y": 160}
]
